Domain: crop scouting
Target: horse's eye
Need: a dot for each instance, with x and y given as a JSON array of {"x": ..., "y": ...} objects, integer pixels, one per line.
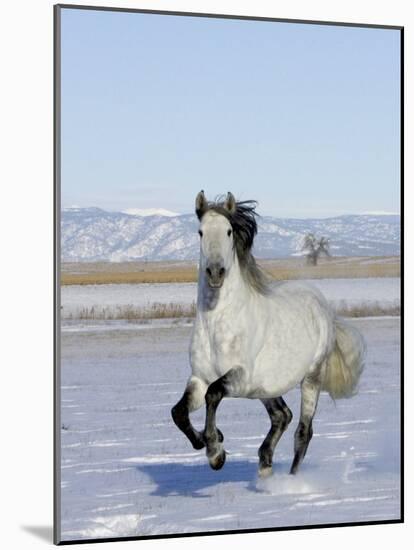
[
  {"x": 229, "y": 232},
  {"x": 200, "y": 232}
]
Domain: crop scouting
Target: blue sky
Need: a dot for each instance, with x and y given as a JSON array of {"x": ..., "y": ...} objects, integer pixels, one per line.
[{"x": 302, "y": 118}]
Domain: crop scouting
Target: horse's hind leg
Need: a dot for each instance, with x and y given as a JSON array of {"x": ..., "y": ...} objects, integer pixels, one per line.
[
  {"x": 225, "y": 386},
  {"x": 192, "y": 400},
  {"x": 280, "y": 417},
  {"x": 310, "y": 388}
]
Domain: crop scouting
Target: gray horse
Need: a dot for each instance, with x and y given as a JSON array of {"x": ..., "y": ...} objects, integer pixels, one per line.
[{"x": 258, "y": 341}]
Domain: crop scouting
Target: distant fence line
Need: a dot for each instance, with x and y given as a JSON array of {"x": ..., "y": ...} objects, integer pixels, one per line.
[{"x": 172, "y": 311}]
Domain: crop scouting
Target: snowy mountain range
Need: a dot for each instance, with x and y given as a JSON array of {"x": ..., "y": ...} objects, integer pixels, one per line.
[{"x": 93, "y": 234}]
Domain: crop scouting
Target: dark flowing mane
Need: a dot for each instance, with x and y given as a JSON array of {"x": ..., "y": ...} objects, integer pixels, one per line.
[{"x": 244, "y": 225}]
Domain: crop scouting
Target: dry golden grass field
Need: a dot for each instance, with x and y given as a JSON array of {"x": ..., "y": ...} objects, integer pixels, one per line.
[{"x": 84, "y": 273}]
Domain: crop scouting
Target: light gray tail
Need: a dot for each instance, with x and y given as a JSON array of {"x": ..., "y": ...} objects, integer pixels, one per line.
[{"x": 346, "y": 362}]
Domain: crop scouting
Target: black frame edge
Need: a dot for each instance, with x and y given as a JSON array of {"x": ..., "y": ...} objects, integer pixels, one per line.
[
  {"x": 402, "y": 277},
  {"x": 56, "y": 268},
  {"x": 234, "y": 532},
  {"x": 227, "y": 16}
]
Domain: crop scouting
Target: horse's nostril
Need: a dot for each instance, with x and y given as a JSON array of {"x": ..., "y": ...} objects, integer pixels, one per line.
[
  {"x": 221, "y": 272},
  {"x": 208, "y": 271}
]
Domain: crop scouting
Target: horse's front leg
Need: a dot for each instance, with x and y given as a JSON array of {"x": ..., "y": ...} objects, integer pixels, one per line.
[
  {"x": 192, "y": 399},
  {"x": 228, "y": 385}
]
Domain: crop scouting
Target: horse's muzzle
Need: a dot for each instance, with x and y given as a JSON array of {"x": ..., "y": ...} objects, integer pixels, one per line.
[{"x": 215, "y": 275}]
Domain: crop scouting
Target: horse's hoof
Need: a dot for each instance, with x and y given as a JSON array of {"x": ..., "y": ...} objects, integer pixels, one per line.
[
  {"x": 217, "y": 461},
  {"x": 295, "y": 466},
  {"x": 265, "y": 471}
]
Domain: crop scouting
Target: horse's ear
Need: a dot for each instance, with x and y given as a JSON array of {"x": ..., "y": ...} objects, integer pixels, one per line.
[
  {"x": 201, "y": 204},
  {"x": 230, "y": 203}
]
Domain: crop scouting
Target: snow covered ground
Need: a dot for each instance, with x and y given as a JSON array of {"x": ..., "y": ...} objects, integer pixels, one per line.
[
  {"x": 341, "y": 292},
  {"x": 127, "y": 471}
]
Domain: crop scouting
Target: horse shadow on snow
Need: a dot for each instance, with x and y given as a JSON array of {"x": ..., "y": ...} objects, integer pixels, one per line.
[{"x": 193, "y": 479}]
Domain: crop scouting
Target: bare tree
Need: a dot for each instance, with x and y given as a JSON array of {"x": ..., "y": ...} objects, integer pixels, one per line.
[{"x": 314, "y": 247}]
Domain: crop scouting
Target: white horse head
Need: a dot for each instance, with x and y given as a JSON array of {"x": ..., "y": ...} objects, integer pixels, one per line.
[
  {"x": 216, "y": 239},
  {"x": 227, "y": 230}
]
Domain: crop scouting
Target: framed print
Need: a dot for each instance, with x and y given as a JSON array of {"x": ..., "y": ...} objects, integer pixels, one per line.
[{"x": 228, "y": 291}]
